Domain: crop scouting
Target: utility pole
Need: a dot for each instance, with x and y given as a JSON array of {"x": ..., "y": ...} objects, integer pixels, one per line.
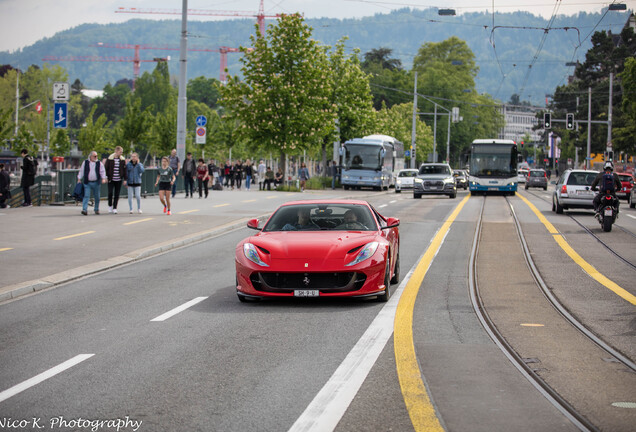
[
  {"x": 182, "y": 107},
  {"x": 17, "y": 100},
  {"x": 414, "y": 120},
  {"x": 435, "y": 136},
  {"x": 588, "y": 159},
  {"x": 609, "y": 113}
]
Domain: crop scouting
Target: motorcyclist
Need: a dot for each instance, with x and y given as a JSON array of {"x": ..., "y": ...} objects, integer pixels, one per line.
[{"x": 608, "y": 169}]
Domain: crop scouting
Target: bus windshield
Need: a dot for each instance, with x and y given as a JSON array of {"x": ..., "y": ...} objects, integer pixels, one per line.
[
  {"x": 493, "y": 160},
  {"x": 363, "y": 157}
]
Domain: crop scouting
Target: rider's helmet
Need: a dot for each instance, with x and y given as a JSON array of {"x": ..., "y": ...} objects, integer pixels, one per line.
[{"x": 608, "y": 166}]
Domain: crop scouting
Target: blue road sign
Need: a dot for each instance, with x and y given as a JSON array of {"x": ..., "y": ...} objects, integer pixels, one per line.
[
  {"x": 407, "y": 153},
  {"x": 60, "y": 115},
  {"x": 201, "y": 120}
]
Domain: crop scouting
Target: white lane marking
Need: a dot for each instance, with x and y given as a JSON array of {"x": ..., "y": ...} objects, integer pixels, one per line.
[
  {"x": 43, "y": 376},
  {"x": 392, "y": 202},
  {"x": 333, "y": 400},
  {"x": 631, "y": 216},
  {"x": 176, "y": 310},
  {"x": 383, "y": 205}
]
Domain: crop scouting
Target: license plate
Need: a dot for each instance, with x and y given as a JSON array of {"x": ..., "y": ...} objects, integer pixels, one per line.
[
  {"x": 306, "y": 293},
  {"x": 433, "y": 187},
  {"x": 583, "y": 192},
  {"x": 608, "y": 212},
  {"x": 493, "y": 189}
]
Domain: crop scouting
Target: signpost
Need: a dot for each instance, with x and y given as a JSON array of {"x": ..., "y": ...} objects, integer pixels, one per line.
[
  {"x": 201, "y": 131},
  {"x": 60, "y": 115},
  {"x": 60, "y": 91}
]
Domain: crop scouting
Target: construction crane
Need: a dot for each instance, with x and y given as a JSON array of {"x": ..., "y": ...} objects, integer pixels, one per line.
[
  {"x": 223, "y": 50},
  {"x": 136, "y": 61},
  {"x": 260, "y": 15}
]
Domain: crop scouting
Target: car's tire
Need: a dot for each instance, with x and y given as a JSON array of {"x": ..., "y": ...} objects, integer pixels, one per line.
[
  {"x": 545, "y": 188},
  {"x": 396, "y": 274},
  {"x": 397, "y": 190},
  {"x": 553, "y": 205},
  {"x": 452, "y": 196},
  {"x": 632, "y": 204},
  {"x": 417, "y": 196},
  {"x": 559, "y": 207},
  {"x": 387, "y": 282},
  {"x": 526, "y": 187}
]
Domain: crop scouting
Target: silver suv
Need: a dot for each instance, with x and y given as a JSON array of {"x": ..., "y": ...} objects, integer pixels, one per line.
[
  {"x": 434, "y": 179},
  {"x": 573, "y": 190}
]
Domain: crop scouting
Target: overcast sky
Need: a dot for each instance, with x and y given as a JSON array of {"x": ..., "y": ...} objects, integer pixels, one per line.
[{"x": 24, "y": 22}]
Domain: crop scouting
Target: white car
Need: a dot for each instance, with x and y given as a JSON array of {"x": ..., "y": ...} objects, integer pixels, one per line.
[
  {"x": 522, "y": 175},
  {"x": 404, "y": 179}
]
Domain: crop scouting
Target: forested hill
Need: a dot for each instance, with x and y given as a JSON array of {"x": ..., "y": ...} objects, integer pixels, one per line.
[{"x": 503, "y": 55}]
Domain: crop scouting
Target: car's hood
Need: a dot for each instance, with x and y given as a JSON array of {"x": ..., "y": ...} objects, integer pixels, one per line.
[
  {"x": 435, "y": 177},
  {"x": 315, "y": 244}
]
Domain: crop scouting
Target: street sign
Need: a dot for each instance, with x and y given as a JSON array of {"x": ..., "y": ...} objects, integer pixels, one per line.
[
  {"x": 60, "y": 115},
  {"x": 60, "y": 91},
  {"x": 407, "y": 153},
  {"x": 201, "y": 120},
  {"x": 200, "y": 135}
]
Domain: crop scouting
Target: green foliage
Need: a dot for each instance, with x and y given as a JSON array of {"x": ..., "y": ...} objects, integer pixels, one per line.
[
  {"x": 204, "y": 90},
  {"x": 283, "y": 103},
  {"x": 397, "y": 122},
  {"x": 154, "y": 89},
  {"x": 60, "y": 143},
  {"x": 135, "y": 125},
  {"x": 113, "y": 102},
  {"x": 624, "y": 135},
  {"x": 95, "y": 135},
  {"x": 24, "y": 140},
  {"x": 6, "y": 123}
]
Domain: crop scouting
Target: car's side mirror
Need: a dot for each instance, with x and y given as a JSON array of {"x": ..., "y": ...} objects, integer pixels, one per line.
[
  {"x": 253, "y": 224},
  {"x": 391, "y": 223}
]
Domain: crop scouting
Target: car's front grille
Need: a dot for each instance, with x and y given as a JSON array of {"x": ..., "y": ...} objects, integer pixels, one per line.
[
  {"x": 326, "y": 282},
  {"x": 433, "y": 184}
]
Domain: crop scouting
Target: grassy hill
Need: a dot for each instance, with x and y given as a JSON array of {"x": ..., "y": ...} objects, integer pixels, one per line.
[{"x": 503, "y": 55}]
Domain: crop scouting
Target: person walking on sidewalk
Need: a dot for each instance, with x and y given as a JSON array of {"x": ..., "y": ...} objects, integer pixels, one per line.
[
  {"x": 261, "y": 170},
  {"x": 174, "y": 164},
  {"x": 238, "y": 173},
  {"x": 5, "y": 186},
  {"x": 202, "y": 178},
  {"x": 91, "y": 173},
  {"x": 303, "y": 175},
  {"x": 249, "y": 170},
  {"x": 134, "y": 170},
  {"x": 116, "y": 172},
  {"x": 29, "y": 168},
  {"x": 189, "y": 170},
  {"x": 165, "y": 180}
]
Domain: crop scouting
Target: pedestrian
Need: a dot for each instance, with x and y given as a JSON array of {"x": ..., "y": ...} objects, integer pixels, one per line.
[
  {"x": 134, "y": 170},
  {"x": 249, "y": 169},
  {"x": 213, "y": 173},
  {"x": 278, "y": 178},
  {"x": 269, "y": 178},
  {"x": 5, "y": 187},
  {"x": 261, "y": 170},
  {"x": 174, "y": 164},
  {"x": 189, "y": 171},
  {"x": 227, "y": 170},
  {"x": 92, "y": 174},
  {"x": 334, "y": 174},
  {"x": 238, "y": 173},
  {"x": 202, "y": 178},
  {"x": 29, "y": 168},
  {"x": 165, "y": 179},
  {"x": 303, "y": 175},
  {"x": 116, "y": 171}
]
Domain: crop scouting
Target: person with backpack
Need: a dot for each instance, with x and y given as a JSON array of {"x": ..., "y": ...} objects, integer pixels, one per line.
[
  {"x": 607, "y": 182},
  {"x": 91, "y": 173},
  {"x": 29, "y": 168}
]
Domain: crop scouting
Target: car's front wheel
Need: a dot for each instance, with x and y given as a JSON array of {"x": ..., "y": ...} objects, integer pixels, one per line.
[
  {"x": 384, "y": 297},
  {"x": 396, "y": 274},
  {"x": 417, "y": 196}
]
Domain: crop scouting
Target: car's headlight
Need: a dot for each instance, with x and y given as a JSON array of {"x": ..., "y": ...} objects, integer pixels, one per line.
[
  {"x": 366, "y": 252},
  {"x": 252, "y": 254},
  {"x": 399, "y": 181},
  {"x": 418, "y": 180}
]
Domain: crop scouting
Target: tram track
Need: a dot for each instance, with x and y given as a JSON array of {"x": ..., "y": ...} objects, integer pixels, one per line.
[
  {"x": 590, "y": 232},
  {"x": 580, "y": 421}
]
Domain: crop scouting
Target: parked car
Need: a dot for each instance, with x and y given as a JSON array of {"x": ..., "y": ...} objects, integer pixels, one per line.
[
  {"x": 537, "y": 178},
  {"x": 522, "y": 174},
  {"x": 631, "y": 198},
  {"x": 573, "y": 190},
  {"x": 404, "y": 179},
  {"x": 627, "y": 181},
  {"x": 434, "y": 179},
  {"x": 461, "y": 179}
]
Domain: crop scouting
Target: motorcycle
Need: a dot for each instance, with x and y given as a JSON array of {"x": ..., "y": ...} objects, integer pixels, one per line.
[{"x": 607, "y": 211}]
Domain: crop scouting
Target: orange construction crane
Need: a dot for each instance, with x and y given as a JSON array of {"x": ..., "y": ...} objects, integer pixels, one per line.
[
  {"x": 136, "y": 61},
  {"x": 260, "y": 15},
  {"x": 223, "y": 50}
]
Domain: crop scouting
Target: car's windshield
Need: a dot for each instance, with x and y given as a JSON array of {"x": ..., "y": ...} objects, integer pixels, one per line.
[
  {"x": 434, "y": 169},
  {"x": 321, "y": 217},
  {"x": 537, "y": 174},
  {"x": 624, "y": 178},
  {"x": 407, "y": 174}
]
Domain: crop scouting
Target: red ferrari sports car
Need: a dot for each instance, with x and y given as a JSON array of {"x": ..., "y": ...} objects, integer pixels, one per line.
[{"x": 332, "y": 248}]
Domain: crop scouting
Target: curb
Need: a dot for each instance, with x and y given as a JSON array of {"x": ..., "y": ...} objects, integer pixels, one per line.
[{"x": 24, "y": 288}]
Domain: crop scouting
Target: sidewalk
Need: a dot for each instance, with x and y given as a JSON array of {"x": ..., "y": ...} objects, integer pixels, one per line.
[{"x": 41, "y": 247}]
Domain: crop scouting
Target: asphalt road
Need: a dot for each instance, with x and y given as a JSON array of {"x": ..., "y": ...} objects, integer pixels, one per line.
[{"x": 221, "y": 365}]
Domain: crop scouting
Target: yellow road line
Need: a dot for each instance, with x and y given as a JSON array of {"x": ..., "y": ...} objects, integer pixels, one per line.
[
  {"x": 74, "y": 235},
  {"x": 246, "y": 201},
  {"x": 138, "y": 221},
  {"x": 221, "y": 205},
  {"x": 5, "y": 249},
  {"x": 271, "y": 197},
  {"x": 416, "y": 398},
  {"x": 587, "y": 267},
  {"x": 188, "y": 211}
]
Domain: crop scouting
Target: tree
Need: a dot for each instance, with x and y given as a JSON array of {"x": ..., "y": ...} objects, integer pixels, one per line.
[
  {"x": 113, "y": 102},
  {"x": 627, "y": 132},
  {"x": 24, "y": 140},
  {"x": 6, "y": 123},
  {"x": 380, "y": 56},
  {"x": 95, "y": 135},
  {"x": 204, "y": 90},
  {"x": 282, "y": 103},
  {"x": 154, "y": 90},
  {"x": 60, "y": 143},
  {"x": 386, "y": 76},
  {"x": 134, "y": 127}
]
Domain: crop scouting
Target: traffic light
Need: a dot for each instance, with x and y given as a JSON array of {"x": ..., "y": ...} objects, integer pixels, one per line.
[
  {"x": 569, "y": 122},
  {"x": 547, "y": 121}
]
